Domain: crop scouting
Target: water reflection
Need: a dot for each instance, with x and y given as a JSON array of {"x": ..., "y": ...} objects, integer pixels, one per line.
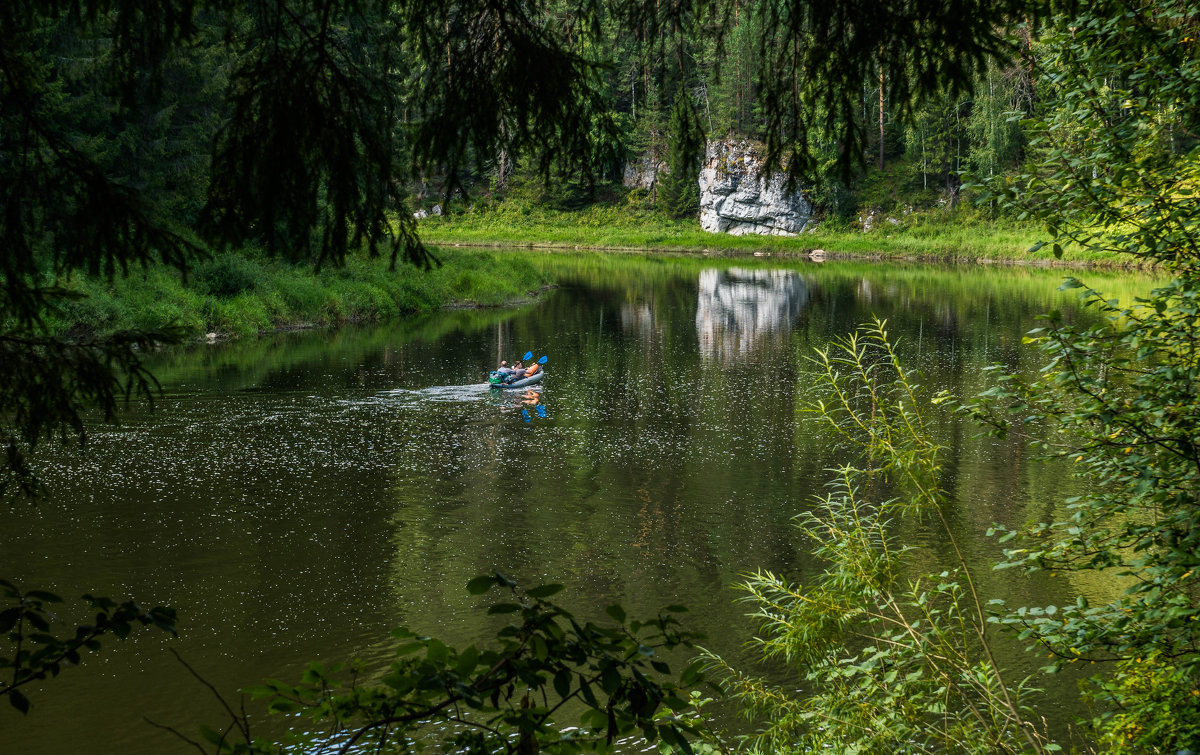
[
  {"x": 298, "y": 497},
  {"x": 637, "y": 319},
  {"x": 526, "y": 402},
  {"x": 738, "y": 310}
]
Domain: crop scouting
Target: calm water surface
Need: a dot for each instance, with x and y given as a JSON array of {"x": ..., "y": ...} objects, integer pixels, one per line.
[{"x": 298, "y": 496}]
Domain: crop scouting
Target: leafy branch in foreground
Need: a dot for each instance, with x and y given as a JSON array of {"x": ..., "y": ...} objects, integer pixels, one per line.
[
  {"x": 513, "y": 698},
  {"x": 1122, "y": 401},
  {"x": 886, "y": 660},
  {"x": 38, "y": 655},
  {"x": 1118, "y": 162}
]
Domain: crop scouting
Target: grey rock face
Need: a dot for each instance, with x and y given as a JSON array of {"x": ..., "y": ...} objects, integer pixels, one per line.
[
  {"x": 642, "y": 173},
  {"x": 735, "y": 197}
]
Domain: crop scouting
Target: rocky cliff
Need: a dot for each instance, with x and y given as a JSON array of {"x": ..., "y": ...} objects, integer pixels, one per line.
[
  {"x": 736, "y": 198},
  {"x": 642, "y": 173}
]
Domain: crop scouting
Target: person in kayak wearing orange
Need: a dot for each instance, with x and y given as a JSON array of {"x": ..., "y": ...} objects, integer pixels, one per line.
[{"x": 520, "y": 373}]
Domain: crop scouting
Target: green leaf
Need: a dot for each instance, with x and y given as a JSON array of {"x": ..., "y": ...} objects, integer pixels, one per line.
[
  {"x": 436, "y": 652},
  {"x": 259, "y": 690},
  {"x": 544, "y": 591},
  {"x": 585, "y": 691},
  {"x": 8, "y": 618},
  {"x": 467, "y": 661},
  {"x": 46, "y": 597},
  {"x": 562, "y": 682},
  {"x": 594, "y": 719},
  {"x": 18, "y": 700},
  {"x": 504, "y": 608},
  {"x": 692, "y": 674},
  {"x": 616, "y": 612},
  {"x": 211, "y": 734},
  {"x": 279, "y": 705},
  {"x": 480, "y": 585},
  {"x": 610, "y": 678}
]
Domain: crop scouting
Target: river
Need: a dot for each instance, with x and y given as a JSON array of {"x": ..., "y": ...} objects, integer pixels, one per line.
[{"x": 297, "y": 496}]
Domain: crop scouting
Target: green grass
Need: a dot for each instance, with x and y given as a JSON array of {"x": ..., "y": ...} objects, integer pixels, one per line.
[
  {"x": 239, "y": 295},
  {"x": 627, "y": 224}
]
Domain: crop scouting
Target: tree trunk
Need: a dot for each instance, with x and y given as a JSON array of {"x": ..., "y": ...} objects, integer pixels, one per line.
[{"x": 881, "y": 116}]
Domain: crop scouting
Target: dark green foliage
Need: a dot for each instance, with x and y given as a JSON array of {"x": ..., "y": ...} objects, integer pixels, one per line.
[
  {"x": 546, "y": 670},
  {"x": 308, "y": 160},
  {"x": 816, "y": 56},
  {"x": 679, "y": 194},
  {"x": 25, "y": 622},
  {"x": 486, "y": 77},
  {"x": 228, "y": 275}
]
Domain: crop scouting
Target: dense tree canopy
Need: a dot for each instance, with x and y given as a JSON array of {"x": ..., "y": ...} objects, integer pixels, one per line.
[{"x": 134, "y": 133}]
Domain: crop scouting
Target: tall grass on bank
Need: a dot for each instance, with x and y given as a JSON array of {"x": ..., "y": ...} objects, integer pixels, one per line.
[
  {"x": 239, "y": 295},
  {"x": 964, "y": 233}
]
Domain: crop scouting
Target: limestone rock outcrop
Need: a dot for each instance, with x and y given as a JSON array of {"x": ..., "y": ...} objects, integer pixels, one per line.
[
  {"x": 736, "y": 198},
  {"x": 643, "y": 172}
]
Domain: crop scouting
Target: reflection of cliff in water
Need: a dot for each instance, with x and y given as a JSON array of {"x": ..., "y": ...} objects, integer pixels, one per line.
[{"x": 740, "y": 310}]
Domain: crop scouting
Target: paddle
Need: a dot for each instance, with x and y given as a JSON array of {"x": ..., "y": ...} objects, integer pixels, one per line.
[
  {"x": 543, "y": 360},
  {"x": 527, "y": 357}
]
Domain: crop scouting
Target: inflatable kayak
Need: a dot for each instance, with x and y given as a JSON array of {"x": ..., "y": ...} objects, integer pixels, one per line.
[{"x": 496, "y": 381}]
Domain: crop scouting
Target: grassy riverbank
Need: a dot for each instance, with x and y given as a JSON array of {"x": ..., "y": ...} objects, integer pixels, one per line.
[
  {"x": 962, "y": 234},
  {"x": 239, "y": 295}
]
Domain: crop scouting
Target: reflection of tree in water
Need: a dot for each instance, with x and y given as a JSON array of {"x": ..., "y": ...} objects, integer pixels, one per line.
[
  {"x": 638, "y": 318},
  {"x": 739, "y": 310}
]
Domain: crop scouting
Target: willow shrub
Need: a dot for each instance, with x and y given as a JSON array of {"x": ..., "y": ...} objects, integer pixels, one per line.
[{"x": 887, "y": 656}]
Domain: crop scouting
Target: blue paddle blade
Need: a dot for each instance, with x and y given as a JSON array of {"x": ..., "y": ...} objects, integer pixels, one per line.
[
  {"x": 543, "y": 360},
  {"x": 527, "y": 357}
]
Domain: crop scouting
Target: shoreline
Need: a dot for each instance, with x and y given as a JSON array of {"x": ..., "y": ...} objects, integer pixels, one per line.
[
  {"x": 947, "y": 236},
  {"x": 477, "y": 274},
  {"x": 237, "y": 298},
  {"x": 814, "y": 254}
]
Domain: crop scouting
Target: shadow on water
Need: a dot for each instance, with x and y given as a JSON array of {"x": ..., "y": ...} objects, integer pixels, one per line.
[{"x": 298, "y": 496}]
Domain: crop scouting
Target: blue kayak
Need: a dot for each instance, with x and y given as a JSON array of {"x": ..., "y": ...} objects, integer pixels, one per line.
[{"x": 523, "y": 382}]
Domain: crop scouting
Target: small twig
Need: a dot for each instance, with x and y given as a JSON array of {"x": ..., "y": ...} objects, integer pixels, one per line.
[
  {"x": 176, "y": 732},
  {"x": 242, "y": 725}
]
